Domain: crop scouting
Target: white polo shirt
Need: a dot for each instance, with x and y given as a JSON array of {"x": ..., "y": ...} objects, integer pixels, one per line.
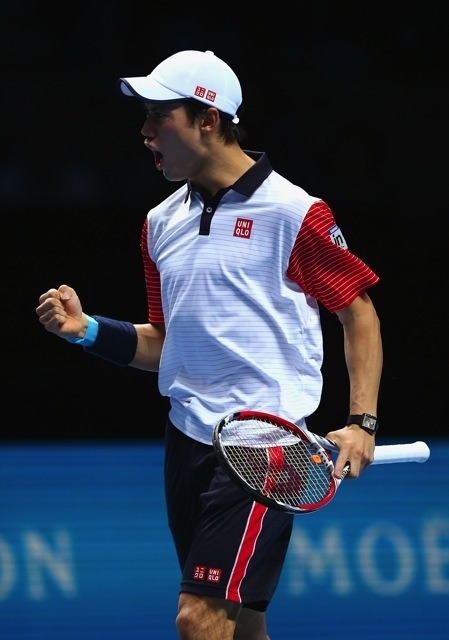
[{"x": 236, "y": 279}]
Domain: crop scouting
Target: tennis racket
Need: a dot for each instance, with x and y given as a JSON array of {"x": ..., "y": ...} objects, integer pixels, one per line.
[{"x": 286, "y": 467}]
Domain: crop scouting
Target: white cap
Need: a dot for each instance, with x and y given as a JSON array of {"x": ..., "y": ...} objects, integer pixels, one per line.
[{"x": 189, "y": 74}]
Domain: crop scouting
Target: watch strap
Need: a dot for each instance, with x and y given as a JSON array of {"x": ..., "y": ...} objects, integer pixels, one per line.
[{"x": 366, "y": 421}]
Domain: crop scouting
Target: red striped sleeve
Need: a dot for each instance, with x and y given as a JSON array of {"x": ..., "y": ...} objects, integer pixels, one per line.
[
  {"x": 324, "y": 269},
  {"x": 152, "y": 281}
]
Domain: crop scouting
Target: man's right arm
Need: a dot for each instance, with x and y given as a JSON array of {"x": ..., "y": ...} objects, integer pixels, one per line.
[{"x": 123, "y": 343}]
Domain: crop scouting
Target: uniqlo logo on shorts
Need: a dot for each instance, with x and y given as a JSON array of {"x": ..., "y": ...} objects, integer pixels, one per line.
[
  {"x": 199, "y": 572},
  {"x": 243, "y": 228},
  {"x": 207, "y": 574},
  {"x": 213, "y": 575}
]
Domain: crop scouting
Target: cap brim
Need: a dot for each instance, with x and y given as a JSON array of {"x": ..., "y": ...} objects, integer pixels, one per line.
[{"x": 147, "y": 88}]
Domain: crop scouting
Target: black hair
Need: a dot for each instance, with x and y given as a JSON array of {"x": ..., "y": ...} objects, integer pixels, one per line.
[{"x": 229, "y": 131}]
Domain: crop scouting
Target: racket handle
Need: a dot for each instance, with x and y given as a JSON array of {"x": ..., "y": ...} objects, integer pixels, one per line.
[
  {"x": 413, "y": 452},
  {"x": 389, "y": 453}
]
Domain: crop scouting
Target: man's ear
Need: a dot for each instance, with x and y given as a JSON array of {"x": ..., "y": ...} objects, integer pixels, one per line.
[{"x": 211, "y": 118}]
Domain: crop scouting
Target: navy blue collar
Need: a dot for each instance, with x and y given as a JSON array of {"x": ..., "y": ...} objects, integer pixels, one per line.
[{"x": 251, "y": 179}]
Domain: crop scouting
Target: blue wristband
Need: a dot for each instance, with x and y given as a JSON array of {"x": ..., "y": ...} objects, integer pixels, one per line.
[
  {"x": 116, "y": 341},
  {"x": 90, "y": 336}
]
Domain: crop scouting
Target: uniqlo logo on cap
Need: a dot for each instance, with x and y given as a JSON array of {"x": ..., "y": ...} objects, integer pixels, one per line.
[
  {"x": 243, "y": 228},
  {"x": 211, "y": 95},
  {"x": 199, "y": 572},
  {"x": 200, "y": 92}
]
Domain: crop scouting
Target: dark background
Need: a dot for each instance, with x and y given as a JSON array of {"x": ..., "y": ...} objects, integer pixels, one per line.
[{"x": 348, "y": 100}]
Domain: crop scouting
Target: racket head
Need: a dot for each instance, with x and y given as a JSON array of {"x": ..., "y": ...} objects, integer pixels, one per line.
[{"x": 278, "y": 463}]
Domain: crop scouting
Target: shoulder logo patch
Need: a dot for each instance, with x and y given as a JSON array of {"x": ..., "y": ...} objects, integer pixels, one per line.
[{"x": 337, "y": 237}]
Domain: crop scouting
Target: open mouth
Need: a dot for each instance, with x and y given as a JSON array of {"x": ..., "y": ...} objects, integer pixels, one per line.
[{"x": 157, "y": 158}]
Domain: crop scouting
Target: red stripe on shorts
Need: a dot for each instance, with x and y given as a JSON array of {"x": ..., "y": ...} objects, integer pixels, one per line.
[{"x": 246, "y": 551}]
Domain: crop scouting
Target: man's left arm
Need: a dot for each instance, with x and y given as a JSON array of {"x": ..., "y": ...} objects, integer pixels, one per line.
[{"x": 364, "y": 361}]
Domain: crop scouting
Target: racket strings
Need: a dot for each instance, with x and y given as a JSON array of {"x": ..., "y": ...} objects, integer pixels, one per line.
[{"x": 284, "y": 468}]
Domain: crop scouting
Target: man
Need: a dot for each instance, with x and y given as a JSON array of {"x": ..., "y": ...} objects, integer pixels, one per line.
[{"x": 236, "y": 261}]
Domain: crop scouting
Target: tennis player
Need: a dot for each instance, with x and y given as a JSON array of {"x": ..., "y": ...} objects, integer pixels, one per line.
[{"x": 236, "y": 262}]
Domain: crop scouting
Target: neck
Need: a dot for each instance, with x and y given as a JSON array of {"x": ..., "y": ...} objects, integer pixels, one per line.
[{"x": 223, "y": 170}]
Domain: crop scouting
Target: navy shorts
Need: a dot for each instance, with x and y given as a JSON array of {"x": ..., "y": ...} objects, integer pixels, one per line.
[{"x": 228, "y": 545}]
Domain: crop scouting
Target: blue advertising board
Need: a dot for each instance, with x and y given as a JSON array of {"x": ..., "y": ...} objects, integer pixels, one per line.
[{"x": 85, "y": 550}]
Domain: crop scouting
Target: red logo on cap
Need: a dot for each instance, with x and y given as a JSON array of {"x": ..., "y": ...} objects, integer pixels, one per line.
[
  {"x": 243, "y": 228},
  {"x": 201, "y": 92}
]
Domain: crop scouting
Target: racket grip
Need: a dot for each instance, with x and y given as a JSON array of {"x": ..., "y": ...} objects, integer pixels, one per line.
[
  {"x": 413, "y": 452},
  {"x": 389, "y": 453}
]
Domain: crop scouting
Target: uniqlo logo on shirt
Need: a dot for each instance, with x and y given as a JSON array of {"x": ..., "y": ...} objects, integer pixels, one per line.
[{"x": 243, "y": 228}]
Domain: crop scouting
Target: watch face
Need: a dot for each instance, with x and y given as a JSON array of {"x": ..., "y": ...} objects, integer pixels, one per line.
[
  {"x": 369, "y": 422},
  {"x": 365, "y": 420}
]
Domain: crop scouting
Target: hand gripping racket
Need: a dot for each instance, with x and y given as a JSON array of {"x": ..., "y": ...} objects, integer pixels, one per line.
[{"x": 286, "y": 467}]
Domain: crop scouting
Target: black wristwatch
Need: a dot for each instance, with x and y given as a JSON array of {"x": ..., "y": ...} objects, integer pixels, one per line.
[{"x": 367, "y": 421}]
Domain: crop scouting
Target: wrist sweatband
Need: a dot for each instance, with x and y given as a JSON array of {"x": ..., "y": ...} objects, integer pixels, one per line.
[
  {"x": 116, "y": 341},
  {"x": 91, "y": 333}
]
